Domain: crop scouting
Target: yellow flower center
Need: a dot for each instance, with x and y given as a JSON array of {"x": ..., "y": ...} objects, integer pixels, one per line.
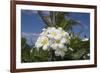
[
  {"x": 54, "y": 33},
  {"x": 63, "y": 32},
  {"x": 58, "y": 41},
  {"x": 45, "y": 41}
]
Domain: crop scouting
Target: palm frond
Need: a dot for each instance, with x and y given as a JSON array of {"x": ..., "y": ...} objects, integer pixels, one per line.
[{"x": 46, "y": 19}]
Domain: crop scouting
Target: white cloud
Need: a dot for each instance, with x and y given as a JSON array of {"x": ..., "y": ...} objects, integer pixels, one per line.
[
  {"x": 31, "y": 37},
  {"x": 29, "y": 34}
]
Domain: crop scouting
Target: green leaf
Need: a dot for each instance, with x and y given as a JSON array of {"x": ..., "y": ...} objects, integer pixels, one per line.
[
  {"x": 23, "y": 42},
  {"x": 59, "y": 17},
  {"x": 40, "y": 55},
  {"x": 78, "y": 54}
]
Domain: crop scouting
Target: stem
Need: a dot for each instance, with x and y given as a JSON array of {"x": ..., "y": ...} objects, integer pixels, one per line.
[{"x": 52, "y": 55}]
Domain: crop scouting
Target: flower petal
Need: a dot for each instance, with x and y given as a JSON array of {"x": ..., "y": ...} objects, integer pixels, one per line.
[
  {"x": 45, "y": 47},
  {"x": 61, "y": 45}
]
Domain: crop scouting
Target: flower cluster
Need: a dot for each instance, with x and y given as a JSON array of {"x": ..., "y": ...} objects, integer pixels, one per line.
[{"x": 53, "y": 38}]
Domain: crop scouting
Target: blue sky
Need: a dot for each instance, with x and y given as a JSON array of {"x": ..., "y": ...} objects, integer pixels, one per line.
[
  {"x": 32, "y": 24},
  {"x": 84, "y": 18}
]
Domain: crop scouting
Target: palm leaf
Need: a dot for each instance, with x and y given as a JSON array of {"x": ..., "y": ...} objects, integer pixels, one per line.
[{"x": 45, "y": 18}]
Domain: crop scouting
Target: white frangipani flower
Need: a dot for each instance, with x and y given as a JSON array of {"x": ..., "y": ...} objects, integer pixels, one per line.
[
  {"x": 63, "y": 40},
  {"x": 61, "y": 46},
  {"x": 54, "y": 46},
  {"x": 59, "y": 53},
  {"x": 55, "y": 39},
  {"x": 42, "y": 41},
  {"x": 54, "y": 33}
]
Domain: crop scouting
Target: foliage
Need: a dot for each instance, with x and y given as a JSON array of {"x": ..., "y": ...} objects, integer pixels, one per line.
[{"x": 25, "y": 51}]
